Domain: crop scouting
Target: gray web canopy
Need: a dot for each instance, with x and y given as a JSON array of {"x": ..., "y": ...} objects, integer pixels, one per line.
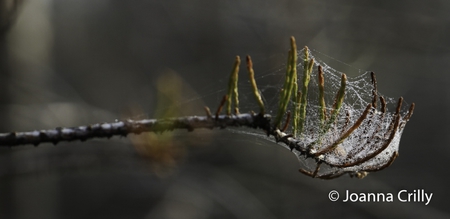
[
  {"x": 364, "y": 136},
  {"x": 343, "y": 125}
]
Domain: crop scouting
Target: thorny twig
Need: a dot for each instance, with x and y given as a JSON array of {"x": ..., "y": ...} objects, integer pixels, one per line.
[
  {"x": 125, "y": 127},
  {"x": 357, "y": 161}
]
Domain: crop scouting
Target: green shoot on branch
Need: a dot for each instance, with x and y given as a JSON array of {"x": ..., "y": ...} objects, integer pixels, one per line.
[
  {"x": 291, "y": 76},
  {"x": 307, "y": 69},
  {"x": 233, "y": 88},
  {"x": 255, "y": 90}
]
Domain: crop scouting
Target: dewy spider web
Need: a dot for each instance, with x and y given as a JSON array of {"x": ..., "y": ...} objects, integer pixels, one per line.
[
  {"x": 371, "y": 146},
  {"x": 338, "y": 125}
]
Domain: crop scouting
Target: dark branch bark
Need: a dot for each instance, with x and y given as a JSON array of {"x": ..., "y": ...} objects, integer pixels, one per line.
[{"x": 123, "y": 128}]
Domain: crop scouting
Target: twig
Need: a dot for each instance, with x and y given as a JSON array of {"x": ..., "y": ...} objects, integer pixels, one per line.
[
  {"x": 125, "y": 127},
  {"x": 385, "y": 132}
]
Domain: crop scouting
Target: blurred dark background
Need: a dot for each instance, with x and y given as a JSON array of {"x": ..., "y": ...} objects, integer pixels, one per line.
[{"x": 77, "y": 62}]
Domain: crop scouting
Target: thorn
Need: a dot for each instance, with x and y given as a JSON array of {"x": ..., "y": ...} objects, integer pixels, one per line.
[
  {"x": 322, "y": 111},
  {"x": 399, "y": 106},
  {"x": 306, "y": 172},
  {"x": 232, "y": 86},
  {"x": 339, "y": 99},
  {"x": 256, "y": 93},
  {"x": 410, "y": 112},
  {"x": 286, "y": 123},
  {"x": 222, "y": 102},
  {"x": 317, "y": 169},
  {"x": 208, "y": 112},
  {"x": 383, "y": 104}
]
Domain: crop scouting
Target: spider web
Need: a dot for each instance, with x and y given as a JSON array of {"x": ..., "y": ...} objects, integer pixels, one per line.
[{"x": 370, "y": 136}]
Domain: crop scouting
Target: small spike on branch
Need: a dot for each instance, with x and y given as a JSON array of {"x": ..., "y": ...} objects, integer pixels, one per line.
[
  {"x": 251, "y": 75},
  {"x": 322, "y": 109},
  {"x": 233, "y": 95},
  {"x": 355, "y": 140},
  {"x": 290, "y": 80},
  {"x": 307, "y": 69},
  {"x": 222, "y": 102}
]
